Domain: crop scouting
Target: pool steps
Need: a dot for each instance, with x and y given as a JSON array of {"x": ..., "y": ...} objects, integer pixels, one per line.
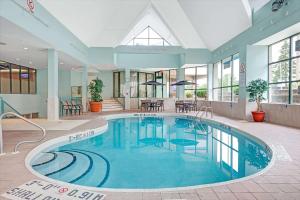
[{"x": 78, "y": 166}]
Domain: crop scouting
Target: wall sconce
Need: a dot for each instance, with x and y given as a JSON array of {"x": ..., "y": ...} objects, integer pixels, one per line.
[{"x": 277, "y": 4}]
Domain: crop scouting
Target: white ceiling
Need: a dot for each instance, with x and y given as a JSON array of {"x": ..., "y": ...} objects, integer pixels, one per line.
[
  {"x": 193, "y": 23},
  {"x": 14, "y": 39}
]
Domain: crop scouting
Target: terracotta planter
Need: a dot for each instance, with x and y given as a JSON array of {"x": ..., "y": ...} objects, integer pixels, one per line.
[
  {"x": 95, "y": 106},
  {"x": 258, "y": 116}
]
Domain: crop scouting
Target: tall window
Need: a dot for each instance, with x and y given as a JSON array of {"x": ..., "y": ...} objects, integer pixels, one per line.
[
  {"x": 197, "y": 75},
  {"x": 167, "y": 77},
  {"x": 284, "y": 71},
  {"x": 137, "y": 87},
  {"x": 150, "y": 88},
  {"x": 149, "y": 37},
  {"x": 142, "y": 87},
  {"x": 226, "y": 79},
  {"x": 118, "y": 84},
  {"x": 15, "y": 79}
]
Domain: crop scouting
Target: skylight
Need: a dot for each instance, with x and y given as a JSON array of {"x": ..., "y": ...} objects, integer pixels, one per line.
[{"x": 148, "y": 37}]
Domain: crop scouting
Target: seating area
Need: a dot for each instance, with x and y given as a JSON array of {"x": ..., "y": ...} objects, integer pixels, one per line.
[
  {"x": 152, "y": 105},
  {"x": 70, "y": 107},
  {"x": 186, "y": 106}
]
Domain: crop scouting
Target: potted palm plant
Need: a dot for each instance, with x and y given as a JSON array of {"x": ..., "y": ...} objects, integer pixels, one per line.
[
  {"x": 256, "y": 90},
  {"x": 95, "y": 89}
]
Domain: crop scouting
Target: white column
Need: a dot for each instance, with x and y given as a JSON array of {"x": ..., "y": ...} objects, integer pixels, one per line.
[
  {"x": 52, "y": 101},
  {"x": 210, "y": 81},
  {"x": 127, "y": 89},
  {"x": 180, "y": 89},
  {"x": 84, "y": 86}
]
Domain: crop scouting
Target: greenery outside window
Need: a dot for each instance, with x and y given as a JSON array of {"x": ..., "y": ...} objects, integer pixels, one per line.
[
  {"x": 226, "y": 79},
  {"x": 284, "y": 71},
  {"x": 196, "y": 75}
]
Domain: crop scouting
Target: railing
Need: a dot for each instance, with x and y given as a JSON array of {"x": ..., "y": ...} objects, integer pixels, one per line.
[
  {"x": 3, "y": 103},
  {"x": 22, "y": 142},
  {"x": 206, "y": 110}
]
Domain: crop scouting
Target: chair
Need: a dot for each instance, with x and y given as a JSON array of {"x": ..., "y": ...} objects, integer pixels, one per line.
[
  {"x": 179, "y": 105},
  {"x": 72, "y": 108},
  {"x": 145, "y": 104},
  {"x": 65, "y": 107},
  {"x": 188, "y": 105},
  {"x": 77, "y": 106},
  {"x": 160, "y": 105}
]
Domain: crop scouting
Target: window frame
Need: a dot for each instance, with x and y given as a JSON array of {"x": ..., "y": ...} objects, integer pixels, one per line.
[
  {"x": 9, "y": 65},
  {"x": 231, "y": 86},
  {"x": 195, "y": 80},
  {"x": 290, "y": 80},
  {"x": 164, "y": 41},
  {"x": 169, "y": 80}
]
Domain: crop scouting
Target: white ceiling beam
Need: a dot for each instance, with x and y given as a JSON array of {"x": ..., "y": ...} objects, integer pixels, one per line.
[
  {"x": 173, "y": 15},
  {"x": 248, "y": 9}
]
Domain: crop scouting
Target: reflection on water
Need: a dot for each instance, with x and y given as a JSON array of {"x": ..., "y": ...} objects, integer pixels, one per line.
[{"x": 142, "y": 150}]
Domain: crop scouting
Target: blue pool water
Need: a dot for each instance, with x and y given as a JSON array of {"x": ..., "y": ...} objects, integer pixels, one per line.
[{"x": 155, "y": 152}]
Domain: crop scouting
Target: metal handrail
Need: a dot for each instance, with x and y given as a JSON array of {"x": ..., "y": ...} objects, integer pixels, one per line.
[
  {"x": 3, "y": 102},
  {"x": 200, "y": 118},
  {"x": 22, "y": 142}
]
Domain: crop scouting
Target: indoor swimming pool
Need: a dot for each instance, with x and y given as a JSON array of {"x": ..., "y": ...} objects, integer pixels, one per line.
[{"x": 155, "y": 152}]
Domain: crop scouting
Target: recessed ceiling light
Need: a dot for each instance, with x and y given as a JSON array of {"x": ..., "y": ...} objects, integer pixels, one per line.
[
  {"x": 17, "y": 58},
  {"x": 61, "y": 63},
  {"x": 25, "y": 48},
  {"x": 30, "y": 62}
]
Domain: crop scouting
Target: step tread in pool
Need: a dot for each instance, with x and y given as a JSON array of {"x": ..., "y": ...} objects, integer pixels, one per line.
[
  {"x": 65, "y": 167},
  {"x": 54, "y": 156},
  {"x": 62, "y": 159},
  {"x": 77, "y": 169},
  {"x": 97, "y": 166}
]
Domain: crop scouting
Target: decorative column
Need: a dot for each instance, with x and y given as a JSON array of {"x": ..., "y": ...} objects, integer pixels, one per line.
[
  {"x": 210, "y": 81},
  {"x": 52, "y": 101},
  {"x": 84, "y": 88},
  {"x": 126, "y": 90},
  {"x": 180, "y": 89}
]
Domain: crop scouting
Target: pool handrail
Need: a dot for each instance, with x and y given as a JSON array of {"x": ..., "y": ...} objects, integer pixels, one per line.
[
  {"x": 206, "y": 109},
  {"x": 22, "y": 142}
]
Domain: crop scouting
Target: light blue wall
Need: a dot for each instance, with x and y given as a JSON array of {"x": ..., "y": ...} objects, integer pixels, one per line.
[
  {"x": 148, "y": 60},
  {"x": 265, "y": 24},
  {"x": 257, "y": 62},
  {"x": 147, "y": 56},
  {"x": 107, "y": 78},
  {"x": 44, "y": 26},
  {"x": 64, "y": 87}
]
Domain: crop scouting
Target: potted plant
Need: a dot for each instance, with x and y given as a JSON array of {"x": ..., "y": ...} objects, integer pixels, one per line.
[
  {"x": 256, "y": 90},
  {"x": 95, "y": 89}
]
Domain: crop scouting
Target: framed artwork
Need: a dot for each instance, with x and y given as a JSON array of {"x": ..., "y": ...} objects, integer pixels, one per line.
[{"x": 76, "y": 91}]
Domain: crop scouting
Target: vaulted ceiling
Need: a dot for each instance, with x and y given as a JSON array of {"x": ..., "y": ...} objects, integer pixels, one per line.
[{"x": 189, "y": 23}]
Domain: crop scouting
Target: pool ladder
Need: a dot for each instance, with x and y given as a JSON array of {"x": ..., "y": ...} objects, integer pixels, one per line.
[
  {"x": 22, "y": 142},
  {"x": 203, "y": 109}
]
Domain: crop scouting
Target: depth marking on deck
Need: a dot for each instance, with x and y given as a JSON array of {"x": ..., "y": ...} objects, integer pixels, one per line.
[{"x": 42, "y": 190}]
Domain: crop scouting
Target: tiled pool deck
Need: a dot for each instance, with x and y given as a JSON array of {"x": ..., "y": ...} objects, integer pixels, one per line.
[{"x": 281, "y": 181}]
